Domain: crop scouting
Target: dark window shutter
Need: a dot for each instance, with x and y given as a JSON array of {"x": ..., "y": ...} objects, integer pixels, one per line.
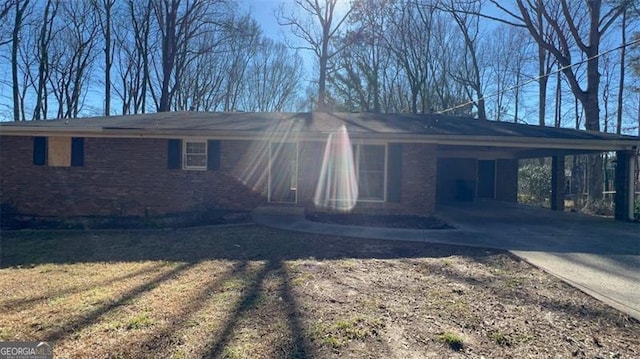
[
  {"x": 77, "y": 151},
  {"x": 174, "y": 154},
  {"x": 39, "y": 151},
  {"x": 394, "y": 176},
  {"x": 213, "y": 155}
]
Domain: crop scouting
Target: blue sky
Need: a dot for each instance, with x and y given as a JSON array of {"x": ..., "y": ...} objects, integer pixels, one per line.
[{"x": 263, "y": 12}]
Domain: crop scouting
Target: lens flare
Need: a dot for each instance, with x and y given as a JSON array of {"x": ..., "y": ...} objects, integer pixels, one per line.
[
  {"x": 257, "y": 165},
  {"x": 337, "y": 187}
]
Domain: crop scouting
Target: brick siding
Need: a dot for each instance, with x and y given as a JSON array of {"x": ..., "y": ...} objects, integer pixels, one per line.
[
  {"x": 129, "y": 177},
  {"x": 120, "y": 177},
  {"x": 419, "y": 169}
]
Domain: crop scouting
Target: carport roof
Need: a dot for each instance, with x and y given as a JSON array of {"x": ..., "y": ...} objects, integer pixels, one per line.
[{"x": 427, "y": 128}]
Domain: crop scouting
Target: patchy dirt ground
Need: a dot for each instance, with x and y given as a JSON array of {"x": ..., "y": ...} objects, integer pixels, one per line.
[{"x": 252, "y": 292}]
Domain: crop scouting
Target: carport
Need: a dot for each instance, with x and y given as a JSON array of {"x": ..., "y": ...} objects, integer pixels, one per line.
[{"x": 482, "y": 162}]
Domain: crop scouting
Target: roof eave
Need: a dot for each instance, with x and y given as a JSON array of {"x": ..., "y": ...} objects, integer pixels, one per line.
[{"x": 493, "y": 141}]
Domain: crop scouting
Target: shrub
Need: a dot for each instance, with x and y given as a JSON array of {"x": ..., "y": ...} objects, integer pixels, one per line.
[{"x": 534, "y": 183}]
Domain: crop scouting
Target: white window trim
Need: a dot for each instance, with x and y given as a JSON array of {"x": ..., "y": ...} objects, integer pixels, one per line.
[
  {"x": 386, "y": 169},
  {"x": 185, "y": 166}
]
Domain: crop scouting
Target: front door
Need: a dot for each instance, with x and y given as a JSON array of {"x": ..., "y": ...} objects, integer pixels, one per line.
[{"x": 283, "y": 172}]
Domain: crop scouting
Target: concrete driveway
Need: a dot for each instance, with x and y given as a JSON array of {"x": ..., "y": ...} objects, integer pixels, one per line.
[{"x": 599, "y": 256}]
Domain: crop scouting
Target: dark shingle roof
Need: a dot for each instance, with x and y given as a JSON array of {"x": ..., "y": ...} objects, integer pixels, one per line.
[{"x": 359, "y": 124}]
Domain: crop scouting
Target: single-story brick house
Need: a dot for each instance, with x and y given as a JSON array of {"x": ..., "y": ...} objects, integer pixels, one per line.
[{"x": 160, "y": 163}]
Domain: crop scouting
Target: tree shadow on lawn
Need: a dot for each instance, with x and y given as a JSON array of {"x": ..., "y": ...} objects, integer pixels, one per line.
[
  {"x": 247, "y": 242},
  {"x": 188, "y": 248},
  {"x": 21, "y": 303}
]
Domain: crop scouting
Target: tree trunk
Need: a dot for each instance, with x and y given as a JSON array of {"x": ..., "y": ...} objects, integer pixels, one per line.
[
  {"x": 542, "y": 95},
  {"x": 107, "y": 57},
  {"x": 40, "y": 111},
  {"x": 322, "y": 79},
  {"x": 558, "y": 119},
  {"x": 168, "y": 52},
  {"x": 517, "y": 95},
  {"x": 595, "y": 184},
  {"x": 542, "y": 75},
  {"x": 622, "y": 72},
  {"x": 17, "y": 26}
]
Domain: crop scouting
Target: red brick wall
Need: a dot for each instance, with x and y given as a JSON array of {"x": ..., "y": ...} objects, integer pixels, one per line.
[
  {"x": 123, "y": 177},
  {"x": 119, "y": 177},
  {"x": 419, "y": 169}
]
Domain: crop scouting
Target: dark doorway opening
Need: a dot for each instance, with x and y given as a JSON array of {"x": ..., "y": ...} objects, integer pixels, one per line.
[{"x": 486, "y": 179}]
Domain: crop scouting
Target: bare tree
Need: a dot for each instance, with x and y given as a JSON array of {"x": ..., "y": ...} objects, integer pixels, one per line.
[
  {"x": 409, "y": 41},
  {"x": 522, "y": 56},
  {"x": 20, "y": 9},
  {"x": 273, "y": 78},
  {"x": 357, "y": 79},
  {"x": 506, "y": 62},
  {"x": 399, "y": 58},
  {"x": 623, "y": 53},
  {"x": 239, "y": 50},
  {"x": 42, "y": 55},
  {"x": 104, "y": 10},
  {"x": 5, "y": 9},
  {"x": 210, "y": 72},
  {"x": 319, "y": 41},
  {"x": 140, "y": 55},
  {"x": 451, "y": 94},
  {"x": 546, "y": 63},
  {"x": 71, "y": 56},
  {"x": 179, "y": 25},
  {"x": 203, "y": 80},
  {"x": 465, "y": 15}
]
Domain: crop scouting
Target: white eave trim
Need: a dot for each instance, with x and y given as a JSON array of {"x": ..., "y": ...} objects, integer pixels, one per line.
[{"x": 478, "y": 141}]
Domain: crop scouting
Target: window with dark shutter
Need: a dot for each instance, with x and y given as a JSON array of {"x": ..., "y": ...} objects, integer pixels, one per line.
[
  {"x": 77, "y": 151},
  {"x": 213, "y": 155},
  {"x": 174, "y": 154},
  {"x": 394, "y": 179},
  {"x": 39, "y": 151}
]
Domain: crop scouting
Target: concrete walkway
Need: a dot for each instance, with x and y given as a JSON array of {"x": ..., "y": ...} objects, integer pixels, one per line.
[{"x": 596, "y": 255}]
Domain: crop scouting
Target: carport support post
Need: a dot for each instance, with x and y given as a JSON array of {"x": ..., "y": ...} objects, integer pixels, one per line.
[
  {"x": 625, "y": 170},
  {"x": 557, "y": 183}
]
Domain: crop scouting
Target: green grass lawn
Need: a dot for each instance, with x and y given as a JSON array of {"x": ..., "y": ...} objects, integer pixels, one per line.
[{"x": 250, "y": 292}]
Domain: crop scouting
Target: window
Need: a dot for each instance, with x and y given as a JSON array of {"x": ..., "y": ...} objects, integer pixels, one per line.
[
  {"x": 195, "y": 155},
  {"x": 371, "y": 167},
  {"x": 58, "y": 151}
]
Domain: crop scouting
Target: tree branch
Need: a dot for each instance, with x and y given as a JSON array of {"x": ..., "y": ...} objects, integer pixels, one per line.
[{"x": 572, "y": 27}]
